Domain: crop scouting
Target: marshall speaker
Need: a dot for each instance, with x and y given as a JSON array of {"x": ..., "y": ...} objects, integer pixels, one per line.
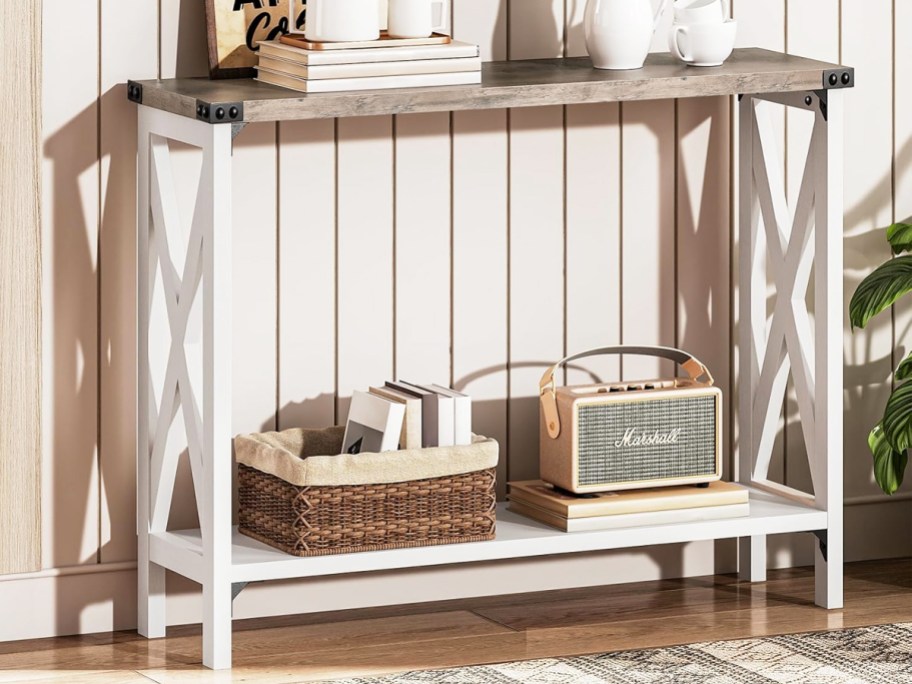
[{"x": 632, "y": 435}]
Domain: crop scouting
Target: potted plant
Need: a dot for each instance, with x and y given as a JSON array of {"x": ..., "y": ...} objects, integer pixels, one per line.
[{"x": 891, "y": 438}]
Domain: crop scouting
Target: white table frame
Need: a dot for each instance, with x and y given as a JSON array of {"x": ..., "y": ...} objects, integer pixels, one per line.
[{"x": 190, "y": 377}]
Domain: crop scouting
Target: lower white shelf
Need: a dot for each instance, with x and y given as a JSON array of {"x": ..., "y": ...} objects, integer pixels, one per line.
[{"x": 517, "y": 537}]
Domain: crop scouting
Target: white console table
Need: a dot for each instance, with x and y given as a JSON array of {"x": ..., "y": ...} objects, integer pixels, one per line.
[{"x": 207, "y": 114}]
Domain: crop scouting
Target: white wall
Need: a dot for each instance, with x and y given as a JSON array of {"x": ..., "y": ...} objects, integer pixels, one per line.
[{"x": 470, "y": 248}]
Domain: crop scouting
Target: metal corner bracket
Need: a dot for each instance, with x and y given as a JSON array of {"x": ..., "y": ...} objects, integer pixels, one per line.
[
  {"x": 822, "y": 542},
  {"x": 843, "y": 77},
  {"x": 134, "y": 92},
  {"x": 822, "y": 98},
  {"x": 220, "y": 112}
]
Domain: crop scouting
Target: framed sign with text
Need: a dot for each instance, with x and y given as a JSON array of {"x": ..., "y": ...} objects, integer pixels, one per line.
[{"x": 235, "y": 26}]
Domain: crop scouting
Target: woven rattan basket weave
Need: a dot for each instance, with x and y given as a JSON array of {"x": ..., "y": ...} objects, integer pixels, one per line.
[{"x": 329, "y": 509}]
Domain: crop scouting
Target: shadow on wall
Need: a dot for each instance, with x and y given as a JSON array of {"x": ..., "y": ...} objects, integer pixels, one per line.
[{"x": 91, "y": 381}]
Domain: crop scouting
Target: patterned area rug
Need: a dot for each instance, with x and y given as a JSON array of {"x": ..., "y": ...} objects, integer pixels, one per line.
[{"x": 869, "y": 655}]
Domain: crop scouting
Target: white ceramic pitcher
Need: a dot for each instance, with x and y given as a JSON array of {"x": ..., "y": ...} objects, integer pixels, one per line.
[{"x": 619, "y": 32}]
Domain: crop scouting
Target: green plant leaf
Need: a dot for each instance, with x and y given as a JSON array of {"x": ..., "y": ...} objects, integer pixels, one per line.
[
  {"x": 883, "y": 286},
  {"x": 897, "y": 420},
  {"x": 899, "y": 235},
  {"x": 889, "y": 465},
  {"x": 904, "y": 369}
]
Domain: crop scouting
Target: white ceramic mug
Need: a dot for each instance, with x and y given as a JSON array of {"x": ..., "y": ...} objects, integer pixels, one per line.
[
  {"x": 416, "y": 18},
  {"x": 335, "y": 21},
  {"x": 700, "y": 11},
  {"x": 706, "y": 44}
]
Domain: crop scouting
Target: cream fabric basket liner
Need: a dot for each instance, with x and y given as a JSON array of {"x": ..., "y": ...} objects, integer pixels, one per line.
[{"x": 299, "y": 456}]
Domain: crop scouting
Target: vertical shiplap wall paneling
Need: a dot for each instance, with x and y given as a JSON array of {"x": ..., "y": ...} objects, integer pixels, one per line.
[
  {"x": 70, "y": 220},
  {"x": 307, "y": 274},
  {"x": 593, "y": 241},
  {"x": 480, "y": 259},
  {"x": 703, "y": 266},
  {"x": 129, "y": 49},
  {"x": 703, "y": 239},
  {"x": 536, "y": 234},
  {"x": 365, "y": 255},
  {"x": 178, "y": 27},
  {"x": 648, "y": 233},
  {"x": 254, "y": 234},
  {"x": 813, "y": 31},
  {"x": 422, "y": 239},
  {"x": 867, "y": 44},
  {"x": 762, "y": 24},
  {"x": 890, "y": 514},
  {"x": 182, "y": 28},
  {"x": 593, "y": 218},
  {"x": 902, "y": 170},
  {"x": 648, "y": 309}
]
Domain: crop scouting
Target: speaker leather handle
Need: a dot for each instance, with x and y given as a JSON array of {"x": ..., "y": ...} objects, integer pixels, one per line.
[{"x": 547, "y": 389}]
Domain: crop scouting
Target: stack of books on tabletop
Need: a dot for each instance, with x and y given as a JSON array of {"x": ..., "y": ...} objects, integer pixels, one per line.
[
  {"x": 631, "y": 508},
  {"x": 294, "y": 62},
  {"x": 404, "y": 415}
]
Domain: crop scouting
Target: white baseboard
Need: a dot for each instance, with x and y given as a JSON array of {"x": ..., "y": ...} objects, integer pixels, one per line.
[{"x": 103, "y": 598}]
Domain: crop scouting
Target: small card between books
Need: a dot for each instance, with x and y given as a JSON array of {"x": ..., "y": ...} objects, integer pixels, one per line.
[
  {"x": 374, "y": 424},
  {"x": 631, "y": 508}
]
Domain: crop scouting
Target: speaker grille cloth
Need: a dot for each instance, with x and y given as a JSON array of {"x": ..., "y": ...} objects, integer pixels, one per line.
[{"x": 603, "y": 426}]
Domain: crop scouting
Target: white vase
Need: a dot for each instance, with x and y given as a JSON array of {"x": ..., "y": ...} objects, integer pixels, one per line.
[{"x": 619, "y": 32}]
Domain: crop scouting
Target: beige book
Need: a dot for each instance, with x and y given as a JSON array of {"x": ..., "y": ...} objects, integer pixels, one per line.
[
  {"x": 455, "y": 49},
  {"x": 411, "y": 426},
  {"x": 330, "y": 85},
  {"x": 542, "y": 495},
  {"x": 613, "y": 522},
  {"x": 424, "y": 66}
]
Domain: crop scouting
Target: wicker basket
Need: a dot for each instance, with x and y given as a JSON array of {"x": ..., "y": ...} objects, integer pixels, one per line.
[{"x": 328, "y": 513}]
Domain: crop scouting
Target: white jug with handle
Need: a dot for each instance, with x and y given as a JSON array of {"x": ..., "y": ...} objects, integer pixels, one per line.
[{"x": 619, "y": 32}]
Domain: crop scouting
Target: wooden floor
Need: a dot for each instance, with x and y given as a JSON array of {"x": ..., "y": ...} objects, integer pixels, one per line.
[{"x": 380, "y": 640}]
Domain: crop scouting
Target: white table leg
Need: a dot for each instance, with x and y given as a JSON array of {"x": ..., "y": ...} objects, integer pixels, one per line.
[
  {"x": 792, "y": 344},
  {"x": 215, "y": 514},
  {"x": 179, "y": 264},
  {"x": 829, "y": 317},
  {"x": 752, "y": 304},
  {"x": 150, "y": 576}
]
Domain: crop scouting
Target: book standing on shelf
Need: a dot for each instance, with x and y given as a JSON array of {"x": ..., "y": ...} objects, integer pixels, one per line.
[
  {"x": 462, "y": 413},
  {"x": 411, "y": 427}
]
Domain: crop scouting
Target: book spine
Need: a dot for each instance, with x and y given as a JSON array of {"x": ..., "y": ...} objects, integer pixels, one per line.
[
  {"x": 614, "y": 522},
  {"x": 446, "y": 414},
  {"x": 363, "y": 55},
  {"x": 430, "y": 408},
  {"x": 590, "y": 509},
  {"x": 413, "y": 424},
  {"x": 462, "y": 420}
]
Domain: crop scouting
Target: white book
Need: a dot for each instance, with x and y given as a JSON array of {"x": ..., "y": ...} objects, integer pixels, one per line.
[
  {"x": 369, "y": 69},
  {"x": 374, "y": 424},
  {"x": 612, "y": 522},
  {"x": 462, "y": 413},
  {"x": 332, "y": 85},
  {"x": 452, "y": 50}
]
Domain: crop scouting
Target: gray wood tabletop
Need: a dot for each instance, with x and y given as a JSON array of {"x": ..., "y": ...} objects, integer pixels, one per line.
[{"x": 520, "y": 83}]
